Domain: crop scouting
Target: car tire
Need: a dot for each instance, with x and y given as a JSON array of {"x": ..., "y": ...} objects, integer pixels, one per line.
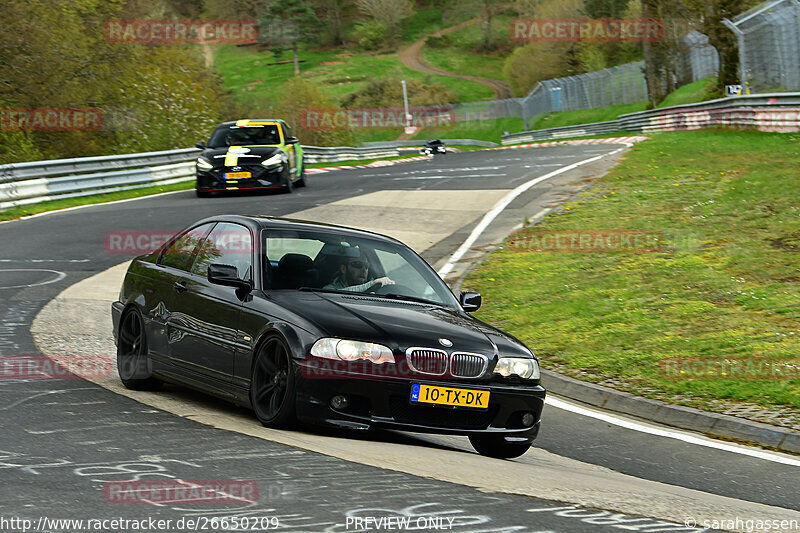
[
  {"x": 134, "y": 366},
  {"x": 303, "y": 181},
  {"x": 272, "y": 386},
  {"x": 289, "y": 186},
  {"x": 496, "y": 446}
]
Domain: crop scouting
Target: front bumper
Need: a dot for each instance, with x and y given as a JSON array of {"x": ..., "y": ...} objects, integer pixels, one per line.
[
  {"x": 262, "y": 178},
  {"x": 384, "y": 402}
]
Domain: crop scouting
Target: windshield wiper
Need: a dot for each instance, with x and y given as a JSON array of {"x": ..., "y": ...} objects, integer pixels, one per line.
[
  {"x": 314, "y": 289},
  {"x": 395, "y": 296},
  {"x": 387, "y": 296}
]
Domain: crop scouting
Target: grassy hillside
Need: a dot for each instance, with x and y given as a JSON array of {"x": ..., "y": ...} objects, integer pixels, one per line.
[{"x": 723, "y": 289}]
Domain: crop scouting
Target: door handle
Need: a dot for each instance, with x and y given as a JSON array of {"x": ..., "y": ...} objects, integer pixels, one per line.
[{"x": 180, "y": 286}]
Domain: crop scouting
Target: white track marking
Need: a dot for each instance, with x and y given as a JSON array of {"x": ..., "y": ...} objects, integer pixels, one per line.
[
  {"x": 503, "y": 203},
  {"x": 59, "y": 276},
  {"x": 677, "y": 435},
  {"x": 37, "y": 215}
]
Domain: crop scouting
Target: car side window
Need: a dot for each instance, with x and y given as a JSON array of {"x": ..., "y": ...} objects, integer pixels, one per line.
[
  {"x": 181, "y": 252},
  {"x": 287, "y": 131},
  {"x": 228, "y": 244}
]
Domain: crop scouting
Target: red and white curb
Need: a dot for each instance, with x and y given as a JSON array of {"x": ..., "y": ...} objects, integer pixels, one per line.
[{"x": 608, "y": 140}]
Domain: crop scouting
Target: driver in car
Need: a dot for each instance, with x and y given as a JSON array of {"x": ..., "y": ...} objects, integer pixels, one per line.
[{"x": 354, "y": 276}]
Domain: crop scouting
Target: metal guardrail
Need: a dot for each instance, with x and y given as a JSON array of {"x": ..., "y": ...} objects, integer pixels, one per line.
[
  {"x": 766, "y": 112},
  {"x": 38, "y": 181}
]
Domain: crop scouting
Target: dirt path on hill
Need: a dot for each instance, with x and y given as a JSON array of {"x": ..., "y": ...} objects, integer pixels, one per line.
[{"x": 411, "y": 56}]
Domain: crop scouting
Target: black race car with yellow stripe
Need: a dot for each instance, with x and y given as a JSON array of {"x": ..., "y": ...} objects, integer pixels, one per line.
[{"x": 250, "y": 154}]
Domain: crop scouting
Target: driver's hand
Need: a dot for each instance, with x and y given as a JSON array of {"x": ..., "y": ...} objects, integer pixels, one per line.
[{"x": 382, "y": 281}]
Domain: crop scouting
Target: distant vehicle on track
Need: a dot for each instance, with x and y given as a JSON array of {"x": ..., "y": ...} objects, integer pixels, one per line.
[
  {"x": 431, "y": 148},
  {"x": 326, "y": 324},
  {"x": 250, "y": 154}
]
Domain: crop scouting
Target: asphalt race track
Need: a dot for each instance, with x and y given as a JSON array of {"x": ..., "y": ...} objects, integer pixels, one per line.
[{"x": 64, "y": 439}]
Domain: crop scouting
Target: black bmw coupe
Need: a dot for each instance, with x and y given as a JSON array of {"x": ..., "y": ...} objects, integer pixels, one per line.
[{"x": 325, "y": 324}]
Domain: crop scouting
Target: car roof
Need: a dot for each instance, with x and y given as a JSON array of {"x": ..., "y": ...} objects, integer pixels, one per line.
[
  {"x": 280, "y": 223},
  {"x": 233, "y": 122}
]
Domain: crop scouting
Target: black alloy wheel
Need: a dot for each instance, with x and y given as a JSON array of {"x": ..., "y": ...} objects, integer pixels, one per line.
[
  {"x": 133, "y": 362},
  {"x": 272, "y": 392}
]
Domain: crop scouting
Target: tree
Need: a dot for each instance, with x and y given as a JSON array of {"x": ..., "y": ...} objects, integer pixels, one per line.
[
  {"x": 388, "y": 12},
  {"x": 334, "y": 11},
  {"x": 489, "y": 8},
  {"x": 655, "y": 59},
  {"x": 723, "y": 39},
  {"x": 288, "y": 24}
]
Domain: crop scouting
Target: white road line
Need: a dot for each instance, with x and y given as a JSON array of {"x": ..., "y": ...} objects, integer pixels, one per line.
[
  {"x": 659, "y": 432},
  {"x": 59, "y": 276},
  {"x": 503, "y": 203},
  {"x": 446, "y": 177},
  {"x": 67, "y": 209}
]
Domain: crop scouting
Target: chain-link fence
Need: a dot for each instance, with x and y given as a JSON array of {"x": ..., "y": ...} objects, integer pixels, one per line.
[
  {"x": 769, "y": 46},
  {"x": 624, "y": 84},
  {"x": 701, "y": 60}
]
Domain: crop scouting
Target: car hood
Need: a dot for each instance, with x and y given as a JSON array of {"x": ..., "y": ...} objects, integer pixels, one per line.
[
  {"x": 397, "y": 324},
  {"x": 243, "y": 155}
]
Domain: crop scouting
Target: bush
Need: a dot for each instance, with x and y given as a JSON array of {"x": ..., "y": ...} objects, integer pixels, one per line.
[
  {"x": 439, "y": 41},
  {"x": 371, "y": 35},
  {"x": 298, "y": 96},
  {"x": 388, "y": 92}
]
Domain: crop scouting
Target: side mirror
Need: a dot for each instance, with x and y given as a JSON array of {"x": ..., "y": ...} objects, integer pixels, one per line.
[
  {"x": 201, "y": 145},
  {"x": 470, "y": 301},
  {"x": 228, "y": 276},
  {"x": 292, "y": 140}
]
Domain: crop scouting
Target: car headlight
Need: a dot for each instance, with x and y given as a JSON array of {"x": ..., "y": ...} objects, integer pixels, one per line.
[
  {"x": 348, "y": 350},
  {"x": 275, "y": 160},
  {"x": 204, "y": 164},
  {"x": 520, "y": 366}
]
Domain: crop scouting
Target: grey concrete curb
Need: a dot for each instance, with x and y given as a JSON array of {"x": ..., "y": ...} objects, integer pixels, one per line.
[{"x": 716, "y": 425}]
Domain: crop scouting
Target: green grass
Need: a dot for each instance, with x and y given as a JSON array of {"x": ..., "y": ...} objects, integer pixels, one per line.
[
  {"x": 484, "y": 65},
  {"x": 586, "y": 116},
  {"x": 53, "y": 205},
  {"x": 428, "y": 20},
  {"x": 253, "y": 82},
  {"x": 463, "y": 54},
  {"x": 725, "y": 286},
  {"x": 481, "y": 130},
  {"x": 691, "y": 93}
]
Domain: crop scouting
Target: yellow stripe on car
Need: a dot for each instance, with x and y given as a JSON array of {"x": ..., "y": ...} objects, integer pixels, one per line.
[{"x": 231, "y": 159}]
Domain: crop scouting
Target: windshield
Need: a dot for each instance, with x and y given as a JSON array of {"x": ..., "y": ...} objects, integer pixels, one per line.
[
  {"x": 245, "y": 135},
  {"x": 327, "y": 261}
]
